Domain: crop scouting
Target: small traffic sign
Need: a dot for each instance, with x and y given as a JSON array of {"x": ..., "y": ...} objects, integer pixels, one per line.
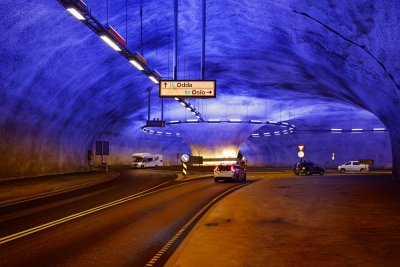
[
  {"x": 188, "y": 88},
  {"x": 185, "y": 157}
]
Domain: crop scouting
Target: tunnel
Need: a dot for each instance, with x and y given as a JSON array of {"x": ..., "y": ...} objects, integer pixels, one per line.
[{"x": 328, "y": 68}]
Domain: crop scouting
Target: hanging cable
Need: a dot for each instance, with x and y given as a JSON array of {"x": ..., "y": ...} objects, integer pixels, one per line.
[
  {"x": 126, "y": 22},
  {"x": 141, "y": 28},
  {"x": 107, "y": 10}
]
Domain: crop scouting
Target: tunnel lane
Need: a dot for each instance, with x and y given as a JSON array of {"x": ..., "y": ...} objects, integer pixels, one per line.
[{"x": 126, "y": 224}]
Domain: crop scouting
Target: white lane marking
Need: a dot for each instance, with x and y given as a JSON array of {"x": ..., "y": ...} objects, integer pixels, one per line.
[{"x": 84, "y": 213}]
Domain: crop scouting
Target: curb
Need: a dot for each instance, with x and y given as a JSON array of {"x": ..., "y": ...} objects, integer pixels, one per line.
[{"x": 181, "y": 177}]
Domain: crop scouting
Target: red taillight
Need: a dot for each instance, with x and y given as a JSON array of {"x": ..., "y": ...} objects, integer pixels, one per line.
[
  {"x": 232, "y": 169},
  {"x": 216, "y": 168}
]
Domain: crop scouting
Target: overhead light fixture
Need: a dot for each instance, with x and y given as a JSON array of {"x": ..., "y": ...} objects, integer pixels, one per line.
[
  {"x": 153, "y": 79},
  {"x": 378, "y": 129},
  {"x": 178, "y": 134},
  {"x": 357, "y": 129},
  {"x": 136, "y": 64},
  {"x": 198, "y": 116},
  {"x": 177, "y": 99},
  {"x": 235, "y": 120},
  {"x": 116, "y": 35},
  {"x": 188, "y": 108},
  {"x": 267, "y": 134},
  {"x": 168, "y": 133},
  {"x": 214, "y": 120},
  {"x": 255, "y": 135},
  {"x": 174, "y": 122},
  {"x": 182, "y": 103},
  {"x": 192, "y": 120},
  {"x": 255, "y": 121},
  {"x": 76, "y": 13},
  {"x": 194, "y": 112},
  {"x": 272, "y": 122},
  {"x": 110, "y": 43},
  {"x": 336, "y": 130}
]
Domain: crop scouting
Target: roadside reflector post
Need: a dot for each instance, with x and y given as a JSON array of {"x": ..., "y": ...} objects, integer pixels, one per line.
[
  {"x": 184, "y": 159},
  {"x": 184, "y": 170}
]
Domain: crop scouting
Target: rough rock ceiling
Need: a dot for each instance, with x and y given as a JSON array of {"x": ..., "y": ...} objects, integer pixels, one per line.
[{"x": 61, "y": 84}]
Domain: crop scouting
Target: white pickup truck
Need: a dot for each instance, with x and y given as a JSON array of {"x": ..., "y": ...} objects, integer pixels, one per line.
[{"x": 353, "y": 166}]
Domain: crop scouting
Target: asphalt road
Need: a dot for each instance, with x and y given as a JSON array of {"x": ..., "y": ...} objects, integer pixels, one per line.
[{"x": 126, "y": 223}]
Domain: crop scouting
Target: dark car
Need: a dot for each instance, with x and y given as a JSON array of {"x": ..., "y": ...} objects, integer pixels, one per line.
[{"x": 307, "y": 168}]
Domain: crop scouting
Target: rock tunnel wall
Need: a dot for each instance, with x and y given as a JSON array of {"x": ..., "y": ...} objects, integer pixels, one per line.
[{"x": 281, "y": 151}]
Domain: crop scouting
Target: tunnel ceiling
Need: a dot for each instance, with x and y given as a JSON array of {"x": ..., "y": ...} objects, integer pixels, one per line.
[{"x": 274, "y": 60}]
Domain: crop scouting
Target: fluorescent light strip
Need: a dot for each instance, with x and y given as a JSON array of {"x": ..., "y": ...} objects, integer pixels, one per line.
[
  {"x": 192, "y": 120},
  {"x": 177, "y": 99},
  {"x": 182, "y": 103},
  {"x": 136, "y": 64},
  {"x": 153, "y": 79},
  {"x": 174, "y": 122},
  {"x": 76, "y": 13},
  {"x": 255, "y": 135},
  {"x": 378, "y": 129},
  {"x": 357, "y": 129},
  {"x": 336, "y": 130},
  {"x": 110, "y": 43},
  {"x": 235, "y": 120},
  {"x": 214, "y": 120},
  {"x": 255, "y": 121}
]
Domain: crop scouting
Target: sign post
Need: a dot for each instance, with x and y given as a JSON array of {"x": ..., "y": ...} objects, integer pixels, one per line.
[
  {"x": 300, "y": 151},
  {"x": 184, "y": 159}
]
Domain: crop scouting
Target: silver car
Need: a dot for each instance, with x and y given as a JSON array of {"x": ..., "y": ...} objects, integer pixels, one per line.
[{"x": 229, "y": 172}]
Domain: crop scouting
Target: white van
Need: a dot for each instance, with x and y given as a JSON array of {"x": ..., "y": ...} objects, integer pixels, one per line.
[
  {"x": 146, "y": 160},
  {"x": 353, "y": 166}
]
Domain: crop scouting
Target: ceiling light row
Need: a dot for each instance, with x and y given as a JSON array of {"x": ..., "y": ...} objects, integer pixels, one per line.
[{"x": 109, "y": 35}]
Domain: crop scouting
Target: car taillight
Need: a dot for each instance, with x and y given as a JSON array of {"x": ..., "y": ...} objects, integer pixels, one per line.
[
  {"x": 216, "y": 168},
  {"x": 232, "y": 169}
]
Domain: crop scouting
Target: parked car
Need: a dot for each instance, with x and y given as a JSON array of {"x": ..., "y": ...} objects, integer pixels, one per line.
[
  {"x": 229, "y": 172},
  {"x": 307, "y": 168},
  {"x": 353, "y": 166}
]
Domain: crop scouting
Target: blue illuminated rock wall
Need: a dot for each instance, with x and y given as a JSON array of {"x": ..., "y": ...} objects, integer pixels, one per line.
[
  {"x": 62, "y": 88},
  {"x": 281, "y": 151}
]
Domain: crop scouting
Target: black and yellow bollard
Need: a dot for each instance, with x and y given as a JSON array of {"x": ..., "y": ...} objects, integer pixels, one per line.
[{"x": 184, "y": 170}]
